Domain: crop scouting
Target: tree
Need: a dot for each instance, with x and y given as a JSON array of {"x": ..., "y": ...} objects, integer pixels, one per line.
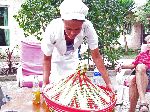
[
  {"x": 34, "y": 16},
  {"x": 142, "y": 14},
  {"x": 128, "y": 5},
  {"x": 107, "y": 16}
]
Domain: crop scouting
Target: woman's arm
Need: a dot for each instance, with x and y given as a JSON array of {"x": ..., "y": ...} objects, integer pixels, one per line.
[{"x": 46, "y": 69}]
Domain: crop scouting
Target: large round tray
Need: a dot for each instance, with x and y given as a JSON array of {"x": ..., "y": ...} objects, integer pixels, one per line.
[{"x": 84, "y": 83}]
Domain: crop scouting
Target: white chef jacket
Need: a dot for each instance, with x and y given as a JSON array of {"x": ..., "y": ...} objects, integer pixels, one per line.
[{"x": 65, "y": 63}]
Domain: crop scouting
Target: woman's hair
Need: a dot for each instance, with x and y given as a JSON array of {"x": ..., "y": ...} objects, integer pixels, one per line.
[{"x": 147, "y": 38}]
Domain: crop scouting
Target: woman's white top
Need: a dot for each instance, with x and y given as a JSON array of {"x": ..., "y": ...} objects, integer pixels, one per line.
[{"x": 65, "y": 62}]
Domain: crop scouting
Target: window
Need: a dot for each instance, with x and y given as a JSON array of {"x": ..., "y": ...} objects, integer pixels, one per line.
[{"x": 4, "y": 31}]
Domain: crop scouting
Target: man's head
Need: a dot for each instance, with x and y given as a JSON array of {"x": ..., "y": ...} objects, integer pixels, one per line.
[
  {"x": 72, "y": 27},
  {"x": 73, "y": 9},
  {"x": 147, "y": 39},
  {"x": 73, "y": 13}
]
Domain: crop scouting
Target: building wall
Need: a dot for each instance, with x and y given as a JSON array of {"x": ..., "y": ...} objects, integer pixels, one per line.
[
  {"x": 16, "y": 33},
  {"x": 133, "y": 40}
]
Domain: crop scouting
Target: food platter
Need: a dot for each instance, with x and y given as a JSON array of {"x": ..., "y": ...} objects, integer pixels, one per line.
[{"x": 77, "y": 93}]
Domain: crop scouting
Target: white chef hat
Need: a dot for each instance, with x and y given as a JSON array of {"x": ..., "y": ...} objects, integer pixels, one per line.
[{"x": 73, "y": 9}]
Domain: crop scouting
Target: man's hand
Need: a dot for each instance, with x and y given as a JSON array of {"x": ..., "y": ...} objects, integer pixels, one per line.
[
  {"x": 118, "y": 67},
  {"x": 110, "y": 86},
  {"x": 43, "y": 86}
]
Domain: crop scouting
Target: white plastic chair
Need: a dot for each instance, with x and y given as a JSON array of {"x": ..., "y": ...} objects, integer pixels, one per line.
[{"x": 124, "y": 76}]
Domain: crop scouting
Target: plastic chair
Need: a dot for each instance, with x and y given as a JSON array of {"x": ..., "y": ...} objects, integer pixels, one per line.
[
  {"x": 126, "y": 82},
  {"x": 123, "y": 81},
  {"x": 132, "y": 72},
  {"x": 31, "y": 64}
]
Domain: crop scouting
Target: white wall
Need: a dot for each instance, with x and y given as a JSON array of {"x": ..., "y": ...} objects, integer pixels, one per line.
[
  {"x": 133, "y": 40},
  {"x": 16, "y": 33}
]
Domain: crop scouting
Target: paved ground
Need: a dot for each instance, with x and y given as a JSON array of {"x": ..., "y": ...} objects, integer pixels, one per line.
[{"x": 11, "y": 88}]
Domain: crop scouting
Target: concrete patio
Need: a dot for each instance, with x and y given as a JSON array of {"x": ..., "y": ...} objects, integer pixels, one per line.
[{"x": 11, "y": 89}]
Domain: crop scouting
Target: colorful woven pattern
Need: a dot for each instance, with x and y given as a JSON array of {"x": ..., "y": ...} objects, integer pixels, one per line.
[{"x": 77, "y": 93}]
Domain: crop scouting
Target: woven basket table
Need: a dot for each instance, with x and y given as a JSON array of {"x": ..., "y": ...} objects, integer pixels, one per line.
[{"x": 77, "y": 93}]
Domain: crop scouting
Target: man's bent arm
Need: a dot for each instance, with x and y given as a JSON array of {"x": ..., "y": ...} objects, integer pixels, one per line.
[
  {"x": 46, "y": 69},
  {"x": 97, "y": 58}
]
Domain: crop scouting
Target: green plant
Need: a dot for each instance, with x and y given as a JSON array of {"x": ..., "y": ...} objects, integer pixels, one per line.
[
  {"x": 8, "y": 57},
  {"x": 35, "y": 15},
  {"x": 109, "y": 16},
  {"x": 106, "y": 15},
  {"x": 143, "y": 13}
]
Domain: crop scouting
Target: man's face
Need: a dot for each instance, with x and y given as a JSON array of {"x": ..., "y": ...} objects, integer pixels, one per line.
[
  {"x": 148, "y": 43},
  {"x": 72, "y": 27}
]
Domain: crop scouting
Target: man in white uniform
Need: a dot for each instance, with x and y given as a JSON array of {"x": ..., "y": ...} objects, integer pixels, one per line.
[{"x": 62, "y": 38}]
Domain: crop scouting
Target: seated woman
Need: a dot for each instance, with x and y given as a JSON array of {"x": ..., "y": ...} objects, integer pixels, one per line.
[{"x": 139, "y": 81}]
